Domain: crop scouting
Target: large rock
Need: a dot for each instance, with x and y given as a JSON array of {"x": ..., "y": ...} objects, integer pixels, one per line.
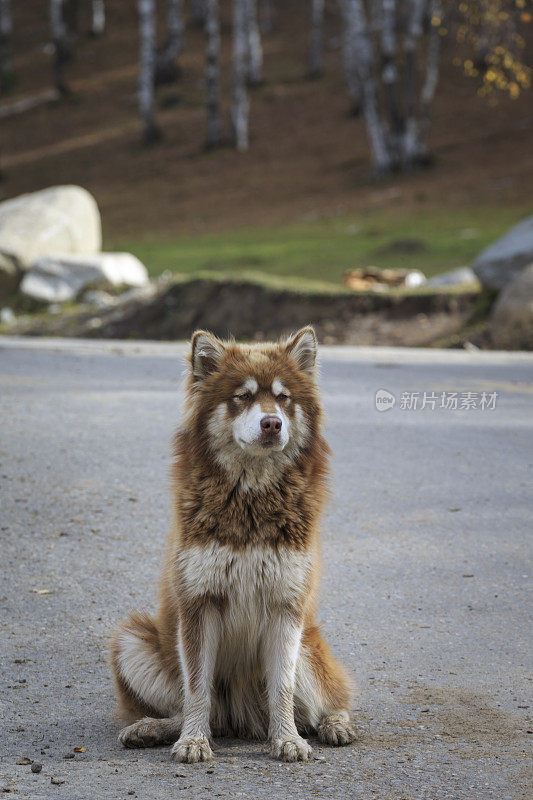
[
  {"x": 58, "y": 278},
  {"x": 62, "y": 219},
  {"x": 10, "y": 275},
  {"x": 498, "y": 264},
  {"x": 511, "y": 324}
]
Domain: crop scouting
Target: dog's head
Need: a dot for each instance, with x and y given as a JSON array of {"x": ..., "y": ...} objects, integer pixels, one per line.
[{"x": 254, "y": 401}]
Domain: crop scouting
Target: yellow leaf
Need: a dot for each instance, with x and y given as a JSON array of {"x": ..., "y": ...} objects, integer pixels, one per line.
[
  {"x": 79, "y": 749},
  {"x": 42, "y": 591}
]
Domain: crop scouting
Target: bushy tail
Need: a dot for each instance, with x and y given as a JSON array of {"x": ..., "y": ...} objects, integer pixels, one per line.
[{"x": 146, "y": 686}]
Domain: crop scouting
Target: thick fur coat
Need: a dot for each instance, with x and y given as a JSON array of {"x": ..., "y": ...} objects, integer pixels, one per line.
[{"x": 234, "y": 647}]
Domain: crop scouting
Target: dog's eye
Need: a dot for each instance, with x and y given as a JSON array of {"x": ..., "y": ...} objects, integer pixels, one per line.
[
  {"x": 282, "y": 396},
  {"x": 242, "y": 396}
]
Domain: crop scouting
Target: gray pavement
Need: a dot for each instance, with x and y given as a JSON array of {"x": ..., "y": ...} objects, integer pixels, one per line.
[{"x": 425, "y": 573}]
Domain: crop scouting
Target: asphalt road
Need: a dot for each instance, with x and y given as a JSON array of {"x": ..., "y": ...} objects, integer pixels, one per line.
[{"x": 425, "y": 585}]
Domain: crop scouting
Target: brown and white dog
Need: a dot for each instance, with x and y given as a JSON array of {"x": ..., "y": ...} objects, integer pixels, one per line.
[{"x": 234, "y": 647}]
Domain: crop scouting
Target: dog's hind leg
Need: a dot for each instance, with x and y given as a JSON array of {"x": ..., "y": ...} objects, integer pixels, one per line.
[
  {"x": 148, "y": 683},
  {"x": 323, "y": 692},
  {"x": 150, "y": 732}
]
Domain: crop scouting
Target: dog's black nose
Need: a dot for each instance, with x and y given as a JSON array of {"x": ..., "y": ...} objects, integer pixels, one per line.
[{"x": 271, "y": 425}]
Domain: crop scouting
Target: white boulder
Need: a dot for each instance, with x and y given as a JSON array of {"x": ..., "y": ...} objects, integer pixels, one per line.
[
  {"x": 58, "y": 278},
  {"x": 61, "y": 219},
  {"x": 10, "y": 274},
  {"x": 7, "y": 316},
  {"x": 511, "y": 323}
]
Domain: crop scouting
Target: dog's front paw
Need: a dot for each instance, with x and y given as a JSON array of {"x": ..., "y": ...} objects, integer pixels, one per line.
[
  {"x": 146, "y": 732},
  {"x": 191, "y": 749},
  {"x": 293, "y": 748},
  {"x": 336, "y": 730}
]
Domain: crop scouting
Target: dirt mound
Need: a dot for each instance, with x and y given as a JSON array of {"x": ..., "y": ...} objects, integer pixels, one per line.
[{"x": 251, "y": 311}]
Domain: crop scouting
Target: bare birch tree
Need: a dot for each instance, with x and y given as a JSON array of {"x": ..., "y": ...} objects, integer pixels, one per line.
[
  {"x": 413, "y": 35},
  {"x": 6, "y": 30},
  {"x": 349, "y": 60},
  {"x": 255, "y": 50},
  {"x": 364, "y": 63},
  {"x": 397, "y": 122},
  {"x": 166, "y": 67},
  {"x": 316, "y": 52},
  {"x": 389, "y": 73},
  {"x": 6, "y": 23},
  {"x": 97, "y": 17},
  {"x": 212, "y": 74},
  {"x": 62, "y": 46},
  {"x": 430, "y": 84},
  {"x": 240, "y": 103},
  {"x": 147, "y": 36}
]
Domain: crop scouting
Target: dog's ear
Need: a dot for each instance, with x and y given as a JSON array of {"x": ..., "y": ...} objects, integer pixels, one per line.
[
  {"x": 302, "y": 347},
  {"x": 207, "y": 353}
]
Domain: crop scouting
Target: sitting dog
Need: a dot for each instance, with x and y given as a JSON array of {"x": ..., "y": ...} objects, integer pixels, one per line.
[{"x": 234, "y": 647}]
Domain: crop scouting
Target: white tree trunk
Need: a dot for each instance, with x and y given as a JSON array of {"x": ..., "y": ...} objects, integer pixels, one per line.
[
  {"x": 389, "y": 75},
  {"x": 212, "y": 74},
  {"x": 240, "y": 103},
  {"x": 6, "y": 25},
  {"x": 349, "y": 61},
  {"x": 6, "y": 29},
  {"x": 430, "y": 83},
  {"x": 376, "y": 13},
  {"x": 98, "y": 17},
  {"x": 413, "y": 34},
  {"x": 316, "y": 53},
  {"x": 147, "y": 33},
  {"x": 365, "y": 65},
  {"x": 61, "y": 44},
  {"x": 166, "y": 68},
  {"x": 175, "y": 28},
  {"x": 255, "y": 50},
  {"x": 57, "y": 22}
]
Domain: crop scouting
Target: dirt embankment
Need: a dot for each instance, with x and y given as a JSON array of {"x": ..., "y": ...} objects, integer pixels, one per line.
[{"x": 251, "y": 311}]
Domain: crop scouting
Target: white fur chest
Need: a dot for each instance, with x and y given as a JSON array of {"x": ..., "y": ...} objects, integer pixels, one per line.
[{"x": 252, "y": 579}]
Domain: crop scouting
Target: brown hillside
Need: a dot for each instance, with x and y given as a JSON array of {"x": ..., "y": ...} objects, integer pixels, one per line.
[{"x": 307, "y": 157}]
